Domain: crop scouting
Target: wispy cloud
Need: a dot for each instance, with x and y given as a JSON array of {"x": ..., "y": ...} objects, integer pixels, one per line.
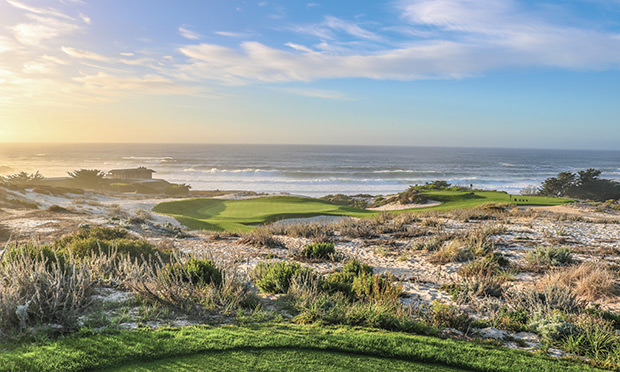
[
  {"x": 318, "y": 93},
  {"x": 41, "y": 28},
  {"x": 330, "y": 25},
  {"x": 232, "y": 34},
  {"x": 188, "y": 34},
  {"x": 37, "y": 10},
  {"x": 76, "y": 53},
  {"x": 86, "y": 19}
]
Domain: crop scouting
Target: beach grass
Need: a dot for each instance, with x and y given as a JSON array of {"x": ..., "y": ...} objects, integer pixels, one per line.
[
  {"x": 272, "y": 346},
  {"x": 241, "y": 215}
]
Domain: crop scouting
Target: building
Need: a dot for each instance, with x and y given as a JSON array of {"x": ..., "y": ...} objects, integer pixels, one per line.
[{"x": 141, "y": 173}]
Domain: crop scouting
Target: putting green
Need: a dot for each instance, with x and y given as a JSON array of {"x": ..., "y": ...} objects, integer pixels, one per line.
[
  {"x": 282, "y": 360},
  {"x": 239, "y": 215}
]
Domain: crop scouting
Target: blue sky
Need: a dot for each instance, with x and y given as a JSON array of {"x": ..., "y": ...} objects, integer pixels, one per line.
[{"x": 491, "y": 73}]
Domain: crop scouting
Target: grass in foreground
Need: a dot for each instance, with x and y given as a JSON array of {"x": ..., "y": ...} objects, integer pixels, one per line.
[
  {"x": 238, "y": 215},
  {"x": 288, "y": 347}
]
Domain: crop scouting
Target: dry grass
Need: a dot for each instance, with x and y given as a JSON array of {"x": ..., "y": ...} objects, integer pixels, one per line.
[
  {"x": 33, "y": 291},
  {"x": 261, "y": 237},
  {"x": 589, "y": 281}
]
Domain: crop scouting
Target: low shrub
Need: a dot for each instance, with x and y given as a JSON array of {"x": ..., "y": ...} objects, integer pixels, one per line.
[
  {"x": 553, "y": 328},
  {"x": 512, "y": 320},
  {"x": 36, "y": 253},
  {"x": 549, "y": 256},
  {"x": 318, "y": 251},
  {"x": 454, "y": 251},
  {"x": 544, "y": 301},
  {"x": 34, "y": 290},
  {"x": 195, "y": 271},
  {"x": 261, "y": 237},
  {"x": 588, "y": 281},
  {"x": 276, "y": 277}
]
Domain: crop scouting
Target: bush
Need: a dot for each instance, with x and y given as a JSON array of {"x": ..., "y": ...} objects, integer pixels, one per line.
[
  {"x": 588, "y": 281},
  {"x": 195, "y": 271},
  {"x": 549, "y": 256},
  {"x": 34, "y": 290},
  {"x": 276, "y": 277},
  {"x": 261, "y": 237},
  {"x": 318, "y": 250},
  {"x": 553, "y": 328},
  {"x": 87, "y": 242},
  {"x": 36, "y": 253}
]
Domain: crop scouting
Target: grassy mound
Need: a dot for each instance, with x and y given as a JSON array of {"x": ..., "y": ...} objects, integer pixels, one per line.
[
  {"x": 238, "y": 215},
  {"x": 299, "y": 346}
]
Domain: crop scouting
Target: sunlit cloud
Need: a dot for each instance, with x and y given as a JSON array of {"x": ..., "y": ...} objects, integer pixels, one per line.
[
  {"x": 232, "y": 34},
  {"x": 318, "y": 93},
  {"x": 40, "y": 29},
  {"x": 83, "y": 54},
  {"x": 188, "y": 34},
  {"x": 40, "y": 11},
  {"x": 86, "y": 19}
]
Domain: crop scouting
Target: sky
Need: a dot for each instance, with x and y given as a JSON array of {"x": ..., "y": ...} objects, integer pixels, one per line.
[{"x": 480, "y": 73}]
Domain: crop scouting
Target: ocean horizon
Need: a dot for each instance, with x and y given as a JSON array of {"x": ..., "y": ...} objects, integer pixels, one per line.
[{"x": 313, "y": 170}]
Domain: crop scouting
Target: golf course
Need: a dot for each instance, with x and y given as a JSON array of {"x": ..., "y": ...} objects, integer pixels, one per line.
[
  {"x": 242, "y": 215},
  {"x": 272, "y": 347}
]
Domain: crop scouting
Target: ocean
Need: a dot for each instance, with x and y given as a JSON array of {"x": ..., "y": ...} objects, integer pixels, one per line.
[{"x": 312, "y": 170}]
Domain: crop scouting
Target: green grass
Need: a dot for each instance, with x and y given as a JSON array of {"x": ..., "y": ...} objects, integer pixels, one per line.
[
  {"x": 238, "y": 215},
  {"x": 266, "y": 347},
  {"x": 283, "y": 360}
]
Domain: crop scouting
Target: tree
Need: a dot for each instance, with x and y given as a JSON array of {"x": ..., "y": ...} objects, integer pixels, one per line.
[
  {"x": 584, "y": 184},
  {"x": 90, "y": 178},
  {"x": 23, "y": 178}
]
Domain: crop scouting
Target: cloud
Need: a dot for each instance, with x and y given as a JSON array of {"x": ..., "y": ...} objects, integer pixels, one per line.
[
  {"x": 232, "y": 34},
  {"x": 40, "y": 29},
  {"x": 83, "y": 54},
  {"x": 40, "y": 11},
  {"x": 102, "y": 83},
  {"x": 318, "y": 93},
  {"x": 330, "y": 25},
  {"x": 6, "y": 45},
  {"x": 86, "y": 19},
  {"x": 464, "y": 38},
  {"x": 188, "y": 34}
]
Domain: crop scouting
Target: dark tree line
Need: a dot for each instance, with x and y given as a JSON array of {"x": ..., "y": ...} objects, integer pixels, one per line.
[{"x": 584, "y": 184}]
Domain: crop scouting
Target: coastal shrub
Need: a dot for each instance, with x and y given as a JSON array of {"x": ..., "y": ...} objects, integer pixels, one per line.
[
  {"x": 190, "y": 286},
  {"x": 455, "y": 251},
  {"x": 318, "y": 250},
  {"x": 544, "y": 301},
  {"x": 36, "y": 253},
  {"x": 482, "y": 266},
  {"x": 512, "y": 320},
  {"x": 314, "y": 305},
  {"x": 552, "y": 328},
  {"x": 441, "y": 315},
  {"x": 316, "y": 231},
  {"x": 195, "y": 271},
  {"x": 342, "y": 281},
  {"x": 432, "y": 243},
  {"x": 261, "y": 237},
  {"x": 594, "y": 338},
  {"x": 589, "y": 281},
  {"x": 356, "y": 201},
  {"x": 34, "y": 290},
  {"x": 276, "y": 277},
  {"x": 549, "y": 256},
  {"x": 130, "y": 247},
  {"x": 361, "y": 228}
]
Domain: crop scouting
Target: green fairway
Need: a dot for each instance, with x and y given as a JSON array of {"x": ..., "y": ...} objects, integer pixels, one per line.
[
  {"x": 283, "y": 360},
  {"x": 236, "y": 215},
  {"x": 267, "y": 347},
  {"x": 239, "y": 215}
]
